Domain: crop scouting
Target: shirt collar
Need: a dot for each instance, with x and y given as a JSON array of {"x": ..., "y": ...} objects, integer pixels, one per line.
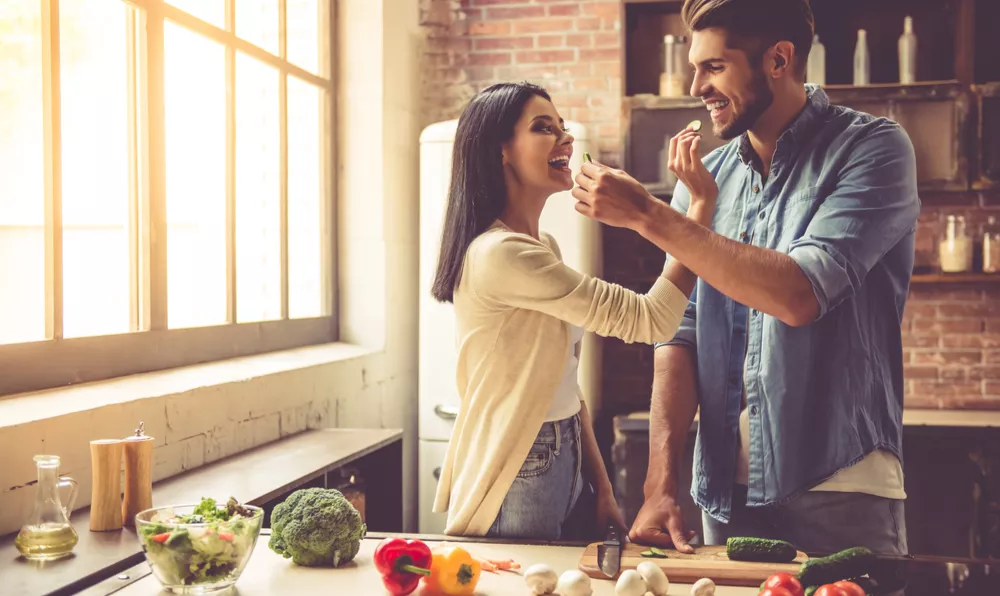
[{"x": 800, "y": 128}]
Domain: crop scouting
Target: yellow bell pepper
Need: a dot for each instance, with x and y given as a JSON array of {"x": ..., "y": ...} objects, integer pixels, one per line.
[{"x": 454, "y": 572}]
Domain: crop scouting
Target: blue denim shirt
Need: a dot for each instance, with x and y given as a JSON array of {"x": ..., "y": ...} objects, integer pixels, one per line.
[{"x": 841, "y": 200}]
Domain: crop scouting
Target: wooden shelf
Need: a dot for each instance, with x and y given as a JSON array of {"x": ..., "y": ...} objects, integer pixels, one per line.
[{"x": 955, "y": 278}]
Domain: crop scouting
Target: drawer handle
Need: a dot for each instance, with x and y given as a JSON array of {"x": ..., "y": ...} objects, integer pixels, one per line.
[
  {"x": 437, "y": 473},
  {"x": 446, "y": 412}
]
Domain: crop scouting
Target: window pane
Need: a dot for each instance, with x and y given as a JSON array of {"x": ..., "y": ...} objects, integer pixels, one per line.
[
  {"x": 257, "y": 22},
  {"x": 303, "y": 22},
  {"x": 258, "y": 192},
  {"x": 195, "y": 104},
  {"x": 22, "y": 191},
  {"x": 305, "y": 226},
  {"x": 212, "y": 11},
  {"x": 94, "y": 76}
]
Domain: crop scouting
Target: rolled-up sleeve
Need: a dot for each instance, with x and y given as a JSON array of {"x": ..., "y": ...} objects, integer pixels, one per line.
[
  {"x": 685, "y": 335},
  {"x": 873, "y": 206}
]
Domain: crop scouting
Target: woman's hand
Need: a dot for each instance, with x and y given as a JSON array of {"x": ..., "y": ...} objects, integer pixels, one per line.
[
  {"x": 684, "y": 161},
  {"x": 608, "y": 511}
]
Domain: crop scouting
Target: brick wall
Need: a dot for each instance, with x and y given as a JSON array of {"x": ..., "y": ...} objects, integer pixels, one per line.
[{"x": 951, "y": 333}]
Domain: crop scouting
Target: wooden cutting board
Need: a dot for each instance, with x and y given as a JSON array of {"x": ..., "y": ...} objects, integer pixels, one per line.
[{"x": 707, "y": 561}]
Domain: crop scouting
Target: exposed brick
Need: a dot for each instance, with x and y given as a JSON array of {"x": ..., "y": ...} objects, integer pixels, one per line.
[
  {"x": 543, "y": 26},
  {"x": 947, "y": 357},
  {"x": 984, "y": 340},
  {"x": 596, "y": 84},
  {"x": 495, "y": 2},
  {"x": 980, "y": 373},
  {"x": 970, "y": 402},
  {"x": 608, "y": 69},
  {"x": 588, "y": 24},
  {"x": 607, "y": 40},
  {"x": 992, "y": 388},
  {"x": 952, "y": 326},
  {"x": 953, "y": 374},
  {"x": 564, "y": 10},
  {"x": 492, "y": 59},
  {"x": 599, "y": 55},
  {"x": 920, "y": 372},
  {"x": 570, "y": 100},
  {"x": 967, "y": 310},
  {"x": 912, "y": 340},
  {"x": 551, "y": 41},
  {"x": 925, "y": 402},
  {"x": 992, "y": 357},
  {"x": 607, "y": 10},
  {"x": 504, "y": 43},
  {"x": 936, "y": 294},
  {"x": 481, "y": 73},
  {"x": 993, "y": 325},
  {"x": 515, "y": 12},
  {"x": 580, "y": 40},
  {"x": 545, "y": 56},
  {"x": 489, "y": 28},
  {"x": 920, "y": 309},
  {"x": 947, "y": 387}
]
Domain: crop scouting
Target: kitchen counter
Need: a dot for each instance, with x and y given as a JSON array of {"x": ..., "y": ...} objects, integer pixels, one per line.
[{"x": 267, "y": 573}]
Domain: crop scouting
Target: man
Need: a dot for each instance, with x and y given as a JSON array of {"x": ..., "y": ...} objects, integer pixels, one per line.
[{"x": 791, "y": 344}]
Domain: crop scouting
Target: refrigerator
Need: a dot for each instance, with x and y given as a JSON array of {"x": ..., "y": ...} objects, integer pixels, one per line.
[{"x": 579, "y": 240}]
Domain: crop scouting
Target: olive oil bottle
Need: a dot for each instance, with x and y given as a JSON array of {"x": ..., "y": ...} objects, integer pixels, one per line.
[{"x": 48, "y": 533}]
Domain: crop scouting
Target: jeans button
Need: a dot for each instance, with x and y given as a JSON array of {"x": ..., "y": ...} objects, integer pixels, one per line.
[{"x": 753, "y": 410}]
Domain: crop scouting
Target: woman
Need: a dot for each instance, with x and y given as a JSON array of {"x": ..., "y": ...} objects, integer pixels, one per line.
[{"x": 523, "y": 442}]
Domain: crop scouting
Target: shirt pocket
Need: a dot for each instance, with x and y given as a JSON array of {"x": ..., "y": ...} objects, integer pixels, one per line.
[{"x": 793, "y": 216}]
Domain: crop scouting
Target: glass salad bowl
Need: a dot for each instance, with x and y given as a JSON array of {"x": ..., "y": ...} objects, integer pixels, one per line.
[{"x": 199, "y": 549}]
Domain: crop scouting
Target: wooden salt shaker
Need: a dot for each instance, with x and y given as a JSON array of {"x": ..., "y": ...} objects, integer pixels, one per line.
[
  {"x": 138, "y": 475},
  {"x": 106, "y": 488}
]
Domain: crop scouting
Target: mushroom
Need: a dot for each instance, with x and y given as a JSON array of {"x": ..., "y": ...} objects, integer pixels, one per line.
[
  {"x": 574, "y": 583},
  {"x": 703, "y": 587},
  {"x": 656, "y": 580},
  {"x": 630, "y": 583},
  {"x": 541, "y": 579}
]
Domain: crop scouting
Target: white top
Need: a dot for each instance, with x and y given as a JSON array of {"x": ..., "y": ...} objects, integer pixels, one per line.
[{"x": 566, "y": 401}]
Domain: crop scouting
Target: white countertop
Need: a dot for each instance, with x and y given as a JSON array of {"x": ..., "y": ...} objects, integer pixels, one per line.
[{"x": 269, "y": 574}]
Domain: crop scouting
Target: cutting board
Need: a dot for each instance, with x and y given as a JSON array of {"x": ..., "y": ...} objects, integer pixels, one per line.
[{"x": 707, "y": 561}]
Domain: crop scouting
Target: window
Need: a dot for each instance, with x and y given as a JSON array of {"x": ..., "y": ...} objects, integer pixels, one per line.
[{"x": 166, "y": 184}]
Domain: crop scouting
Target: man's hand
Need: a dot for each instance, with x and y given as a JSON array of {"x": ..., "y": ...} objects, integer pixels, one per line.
[
  {"x": 611, "y": 196},
  {"x": 659, "y": 523},
  {"x": 684, "y": 160}
]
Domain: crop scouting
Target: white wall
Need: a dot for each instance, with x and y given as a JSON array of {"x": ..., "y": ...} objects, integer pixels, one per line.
[{"x": 203, "y": 413}]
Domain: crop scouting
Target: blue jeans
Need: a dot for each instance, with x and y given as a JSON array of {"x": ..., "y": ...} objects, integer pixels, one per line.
[
  {"x": 546, "y": 489},
  {"x": 817, "y": 522}
]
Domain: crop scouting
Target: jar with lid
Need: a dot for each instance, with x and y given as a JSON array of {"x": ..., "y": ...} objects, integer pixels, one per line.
[
  {"x": 955, "y": 247},
  {"x": 991, "y": 246},
  {"x": 674, "y": 80}
]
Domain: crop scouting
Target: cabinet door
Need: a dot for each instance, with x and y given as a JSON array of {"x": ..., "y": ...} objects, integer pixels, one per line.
[{"x": 988, "y": 137}]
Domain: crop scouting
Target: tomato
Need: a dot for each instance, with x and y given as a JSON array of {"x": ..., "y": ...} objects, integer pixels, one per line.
[
  {"x": 161, "y": 538},
  {"x": 850, "y": 588},
  {"x": 775, "y": 592},
  {"x": 786, "y": 581},
  {"x": 830, "y": 590}
]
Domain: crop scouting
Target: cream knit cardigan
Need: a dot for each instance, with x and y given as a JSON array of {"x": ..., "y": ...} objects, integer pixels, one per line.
[{"x": 511, "y": 308}]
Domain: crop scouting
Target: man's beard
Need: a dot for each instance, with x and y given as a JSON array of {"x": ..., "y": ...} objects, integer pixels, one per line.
[{"x": 762, "y": 99}]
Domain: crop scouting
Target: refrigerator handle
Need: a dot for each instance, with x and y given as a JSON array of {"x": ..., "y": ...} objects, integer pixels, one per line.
[{"x": 446, "y": 412}]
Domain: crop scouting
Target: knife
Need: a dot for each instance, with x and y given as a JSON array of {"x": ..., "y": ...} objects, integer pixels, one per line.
[{"x": 609, "y": 553}]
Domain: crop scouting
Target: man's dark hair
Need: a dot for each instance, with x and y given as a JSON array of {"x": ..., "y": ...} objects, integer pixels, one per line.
[{"x": 755, "y": 25}]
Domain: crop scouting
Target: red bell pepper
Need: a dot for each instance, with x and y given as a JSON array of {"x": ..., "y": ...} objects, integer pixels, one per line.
[{"x": 402, "y": 563}]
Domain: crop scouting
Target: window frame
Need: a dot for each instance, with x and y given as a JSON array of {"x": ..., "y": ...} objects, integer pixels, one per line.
[{"x": 151, "y": 346}]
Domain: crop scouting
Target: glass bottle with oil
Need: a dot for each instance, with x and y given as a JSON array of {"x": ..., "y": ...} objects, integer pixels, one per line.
[{"x": 48, "y": 534}]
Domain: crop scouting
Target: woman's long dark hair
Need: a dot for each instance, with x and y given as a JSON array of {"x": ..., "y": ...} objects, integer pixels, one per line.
[{"x": 478, "y": 194}]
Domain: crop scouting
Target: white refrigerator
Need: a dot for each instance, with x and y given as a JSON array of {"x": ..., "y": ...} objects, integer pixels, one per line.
[{"x": 579, "y": 240}]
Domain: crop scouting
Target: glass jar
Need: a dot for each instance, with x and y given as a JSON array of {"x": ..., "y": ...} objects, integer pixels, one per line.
[
  {"x": 955, "y": 248},
  {"x": 991, "y": 246},
  {"x": 674, "y": 80}
]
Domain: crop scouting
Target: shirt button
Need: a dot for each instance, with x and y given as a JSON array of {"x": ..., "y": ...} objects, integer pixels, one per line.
[
  {"x": 753, "y": 410},
  {"x": 756, "y": 188},
  {"x": 762, "y": 214},
  {"x": 743, "y": 235}
]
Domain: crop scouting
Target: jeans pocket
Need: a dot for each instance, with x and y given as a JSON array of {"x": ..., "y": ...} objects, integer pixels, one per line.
[{"x": 538, "y": 462}]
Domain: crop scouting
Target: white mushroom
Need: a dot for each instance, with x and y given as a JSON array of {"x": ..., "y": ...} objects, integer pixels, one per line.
[
  {"x": 656, "y": 580},
  {"x": 574, "y": 583},
  {"x": 703, "y": 587},
  {"x": 630, "y": 583},
  {"x": 541, "y": 579}
]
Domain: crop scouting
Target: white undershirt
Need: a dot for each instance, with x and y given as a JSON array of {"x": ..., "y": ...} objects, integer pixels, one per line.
[{"x": 566, "y": 401}]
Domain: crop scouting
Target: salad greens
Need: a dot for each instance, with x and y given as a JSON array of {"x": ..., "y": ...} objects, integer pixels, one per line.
[{"x": 204, "y": 546}]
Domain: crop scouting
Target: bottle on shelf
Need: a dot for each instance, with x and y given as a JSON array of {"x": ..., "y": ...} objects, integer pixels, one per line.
[
  {"x": 861, "y": 60},
  {"x": 674, "y": 81},
  {"x": 816, "y": 65},
  {"x": 908, "y": 53},
  {"x": 955, "y": 248},
  {"x": 991, "y": 246}
]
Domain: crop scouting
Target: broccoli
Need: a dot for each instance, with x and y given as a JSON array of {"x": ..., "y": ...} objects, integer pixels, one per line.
[{"x": 316, "y": 527}]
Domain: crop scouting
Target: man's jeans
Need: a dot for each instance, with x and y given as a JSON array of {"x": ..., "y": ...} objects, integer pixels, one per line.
[{"x": 817, "y": 523}]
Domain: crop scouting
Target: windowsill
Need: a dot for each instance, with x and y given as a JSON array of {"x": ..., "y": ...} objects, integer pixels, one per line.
[{"x": 51, "y": 403}]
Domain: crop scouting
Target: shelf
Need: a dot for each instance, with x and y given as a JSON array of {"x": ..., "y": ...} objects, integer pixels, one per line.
[{"x": 955, "y": 278}]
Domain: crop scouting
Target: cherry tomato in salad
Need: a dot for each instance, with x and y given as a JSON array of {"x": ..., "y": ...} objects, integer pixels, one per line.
[
  {"x": 161, "y": 538},
  {"x": 786, "y": 581},
  {"x": 850, "y": 588}
]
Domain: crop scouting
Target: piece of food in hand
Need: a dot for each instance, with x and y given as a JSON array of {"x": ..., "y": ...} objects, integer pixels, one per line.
[
  {"x": 703, "y": 587},
  {"x": 630, "y": 583},
  {"x": 316, "y": 527},
  {"x": 848, "y": 563},
  {"x": 695, "y": 125},
  {"x": 541, "y": 578},
  {"x": 742, "y": 548},
  {"x": 402, "y": 563},
  {"x": 574, "y": 583},
  {"x": 586, "y": 157},
  {"x": 786, "y": 581},
  {"x": 454, "y": 572},
  {"x": 656, "y": 580}
]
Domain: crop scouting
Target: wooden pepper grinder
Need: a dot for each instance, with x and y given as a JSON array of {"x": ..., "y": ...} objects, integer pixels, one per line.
[
  {"x": 106, "y": 488},
  {"x": 138, "y": 475}
]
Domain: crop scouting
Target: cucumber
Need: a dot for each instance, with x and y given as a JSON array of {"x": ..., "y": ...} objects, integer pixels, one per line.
[
  {"x": 740, "y": 548},
  {"x": 810, "y": 591},
  {"x": 852, "y": 562}
]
